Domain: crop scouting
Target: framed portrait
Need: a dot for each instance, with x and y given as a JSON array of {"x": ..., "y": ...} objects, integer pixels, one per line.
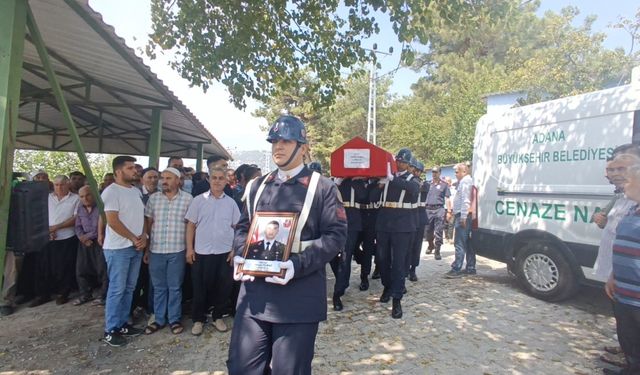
[{"x": 269, "y": 242}]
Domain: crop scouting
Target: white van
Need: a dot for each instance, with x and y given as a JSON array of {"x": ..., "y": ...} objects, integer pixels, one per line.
[{"x": 538, "y": 171}]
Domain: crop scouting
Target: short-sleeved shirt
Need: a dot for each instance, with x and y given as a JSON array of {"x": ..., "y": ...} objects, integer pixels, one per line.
[
  {"x": 127, "y": 202},
  {"x": 214, "y": 219},
  {"x": 626, "y": 260},
  {"x": 61, "y": 210},
  {"x": 169, "y": 229},
  {"x": 438, "y": 193}
]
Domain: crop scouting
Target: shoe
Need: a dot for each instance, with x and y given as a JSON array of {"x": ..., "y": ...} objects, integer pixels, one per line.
[
  {"x": 39, "y": 301},
  {"x": 613, "y": 349},
  {"x": 430, "y": 250},
  {"x": 404, "y": 290},
  {"x": 6, "y": 310},
  {"x": 385, "y": 297},
  {"x": 453, "y": 274},
  {"x": 437, "y": 255},
  {"x": 337, "y": 303},
  {"x": 614, "y": 359},
  {"x": 197, "y": 328},
  {"x": 376, "y": 274},
  {"x": 469, "y": 272},
  {"x": 114, "y": 339},
  {"x": 80, "y": 300},
  {"x": 128, "y": 330},
  {"x": 98, "y": 302},
  {"x": 396, "y": 310},
  {"x": 220, "y": 325},
  {"x": 364, "y": 284},
  {"x": 413, "y": 277},
  {"x": 152, "y": 319}
]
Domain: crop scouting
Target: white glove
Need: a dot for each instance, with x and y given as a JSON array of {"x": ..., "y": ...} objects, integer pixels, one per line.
[
  {"x": 237, "y": 275},
  {"x": 338, "y": 180},
  {"x": 288, "y": 265},
  {"x": 389, "y": 174},
  {"x": 383, "y": 181}
]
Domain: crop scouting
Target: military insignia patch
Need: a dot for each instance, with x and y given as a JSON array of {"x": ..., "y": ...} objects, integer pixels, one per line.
[
  {"x": 341, "y": 213},
  {"x": 304, "y": 181}
]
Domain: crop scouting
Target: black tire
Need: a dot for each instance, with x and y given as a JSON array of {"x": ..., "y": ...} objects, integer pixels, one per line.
[{"x": 544, "y": 272}]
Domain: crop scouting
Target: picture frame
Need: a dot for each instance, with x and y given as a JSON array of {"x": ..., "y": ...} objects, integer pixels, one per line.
[{"x": 269, "y": 241}]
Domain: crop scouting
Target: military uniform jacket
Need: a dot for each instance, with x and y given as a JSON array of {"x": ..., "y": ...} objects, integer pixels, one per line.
[
  {"x": 372, "y": 205},
  {"x": 258, "y": 251},
  {"x": 359, "y": 198},
  {"x": 304, "y": 298},
  {"x": 398, "y": 219}
]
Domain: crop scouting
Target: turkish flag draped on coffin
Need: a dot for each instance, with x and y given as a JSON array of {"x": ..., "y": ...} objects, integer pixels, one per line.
[{"x": 359, "y": 158}]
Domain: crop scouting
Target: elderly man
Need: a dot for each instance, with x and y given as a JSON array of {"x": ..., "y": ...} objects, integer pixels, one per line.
[
  {"x": 57, "y": 261},
  {"x": 166, "y": 228},
  {"x": 124, "y": 242},
  {"x": 623, "y": 286},
  {"x": 213, "y": 162},
  {"x": 462, "y": 225},
  {"x": 211, "y": 219},
  {"x": 91, "y": 268},
  {"x": 150, "y": 178}
]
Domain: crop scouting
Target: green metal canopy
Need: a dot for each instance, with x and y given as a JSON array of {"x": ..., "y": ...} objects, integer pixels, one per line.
[{"x": 111, "y": 94}]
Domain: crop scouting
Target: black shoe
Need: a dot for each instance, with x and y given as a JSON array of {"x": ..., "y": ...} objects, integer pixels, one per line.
[
  {"x": 376, "y": 274},
  {"x": 396, "y": 311},
  {"x": 39, "y": 301},
  {"x": 385, "y": 297},
  {"x": 128, "y": 330},
  {"x": 404, "y": 290},
  {"x": 453, "y": 274},
  {"x": 6, "y": 310},
  {"x": 412, "y": 276},
  {"x": 469, "y": 272},
  {"x": 437, "y": 255},
  {"x": 337, "y": 304},
  {"x": 364, "y": 284},
  {"x": 114, "y": 339}
]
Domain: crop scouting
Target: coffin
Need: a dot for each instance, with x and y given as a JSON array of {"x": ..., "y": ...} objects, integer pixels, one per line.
[{"x": 359, "y": 158}]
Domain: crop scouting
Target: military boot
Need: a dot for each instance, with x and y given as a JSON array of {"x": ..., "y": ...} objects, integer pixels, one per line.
[{"x": 437, "y": 254}]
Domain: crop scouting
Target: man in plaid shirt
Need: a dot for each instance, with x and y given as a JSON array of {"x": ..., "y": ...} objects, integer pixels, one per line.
[{"x": 165, "y": 224}]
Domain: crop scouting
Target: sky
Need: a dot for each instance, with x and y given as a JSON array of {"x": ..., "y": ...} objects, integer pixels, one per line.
[{"x": 132, "y": 21}]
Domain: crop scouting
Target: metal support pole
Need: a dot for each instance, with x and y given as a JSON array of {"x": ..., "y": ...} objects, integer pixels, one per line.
[
  {"x": 13, "y": 15},
  {"x": 199, "y": 157},
  {"x": 62, "y": 104},
  {"x": 370, "y": 105},
  {"x": 155, "y": 139}
]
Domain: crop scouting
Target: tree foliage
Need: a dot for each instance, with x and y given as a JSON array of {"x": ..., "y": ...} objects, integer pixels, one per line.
[
  {"x": 257, "y": 47},
  {"x": 59, "y": 163}
]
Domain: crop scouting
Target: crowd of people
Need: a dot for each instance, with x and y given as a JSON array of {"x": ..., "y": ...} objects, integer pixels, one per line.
[{"x": 165, "y": 244}]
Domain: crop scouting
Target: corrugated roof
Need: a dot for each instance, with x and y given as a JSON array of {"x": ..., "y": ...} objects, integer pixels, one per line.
[{"x": 110, "y": 91}]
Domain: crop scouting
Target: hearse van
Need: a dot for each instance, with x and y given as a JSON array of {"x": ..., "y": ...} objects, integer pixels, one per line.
[{"x": 539, "y": 176}]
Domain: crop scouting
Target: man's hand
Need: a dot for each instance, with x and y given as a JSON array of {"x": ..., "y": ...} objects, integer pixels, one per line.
[
  {"x": 238, "y": 275},
  {"x": 87, "y": 243},
  {"x": 53, "y": 228},
  {"x": 140, "y": 242},
  {"x": 600, "y": 219},
  {"x": 608, "y": 287},
  {"x": 389, "y": 174},
  {"x": 191, "y": 256},
  {"x": 448, "y": 216},
  {"x": 230, "y": 258},
  {"x": 145, "y": 257},
  {"x": 288, "y": 265},
  {"x": 338, "y": 181}
]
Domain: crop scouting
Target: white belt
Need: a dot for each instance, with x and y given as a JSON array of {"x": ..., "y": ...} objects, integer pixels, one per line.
[
  {"x": 352, "y": 205},
  {"x": 399, "y": 205}
]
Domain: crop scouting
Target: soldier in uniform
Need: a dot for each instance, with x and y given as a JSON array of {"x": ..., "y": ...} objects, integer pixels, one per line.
[
  {"x": 413, "y": 260},
  {"x": 277, "y": 318},
  {"x": 395, "y": 225},
  {"x": 268, "y": 248},
  {"x": 369, "y": 211},
  {"x": 436, "y": 198},
  {"x": 353, "y": 195}
]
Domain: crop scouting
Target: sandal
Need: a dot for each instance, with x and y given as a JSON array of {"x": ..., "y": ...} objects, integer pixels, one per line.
[
  {"x": 176, "y": 328},
  {"x": 152, "y": 328},
  {"x": 82, "y": 300}
]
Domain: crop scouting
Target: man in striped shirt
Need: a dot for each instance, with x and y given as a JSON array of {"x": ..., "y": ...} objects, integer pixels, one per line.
[{"x": 623, "y": 285}]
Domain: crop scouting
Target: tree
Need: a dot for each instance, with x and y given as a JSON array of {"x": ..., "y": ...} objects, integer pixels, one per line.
[
  {"x": 257, "y": 47},
  {"x": 59, "y": 163}
]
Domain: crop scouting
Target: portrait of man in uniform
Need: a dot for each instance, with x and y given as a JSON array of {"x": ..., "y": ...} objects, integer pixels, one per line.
[
  {"x": 270, "y": 242},
  {"x": 268, "y": 248}
]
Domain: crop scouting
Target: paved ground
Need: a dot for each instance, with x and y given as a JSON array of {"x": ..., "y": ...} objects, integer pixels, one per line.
[{"x": 476, "y": 325}]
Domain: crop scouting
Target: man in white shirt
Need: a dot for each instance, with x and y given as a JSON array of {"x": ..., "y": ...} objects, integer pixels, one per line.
[
  {"x": 211, "y": 219},
  {"x": 123, "y": 245},
  {"x": 57, "y": 261},
  {"x": 462, "y": 224}
]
